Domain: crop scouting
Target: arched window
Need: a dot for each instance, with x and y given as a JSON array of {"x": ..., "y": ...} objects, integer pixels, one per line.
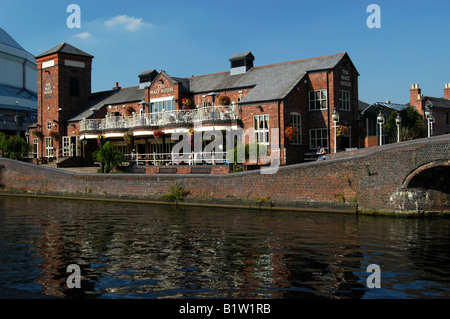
[{"x": 296, "y": 122}]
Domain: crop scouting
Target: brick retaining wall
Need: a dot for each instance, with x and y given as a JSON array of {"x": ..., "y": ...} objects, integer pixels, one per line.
[{"x": 367, "y": 179}]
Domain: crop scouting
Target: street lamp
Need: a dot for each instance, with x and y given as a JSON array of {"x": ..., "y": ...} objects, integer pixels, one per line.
[
  {"x": 398, "y": 121},
  {"x": 430, "y": 119},
  {"x": 381, "y": 121},
  {"x": 335, "y": 117}
]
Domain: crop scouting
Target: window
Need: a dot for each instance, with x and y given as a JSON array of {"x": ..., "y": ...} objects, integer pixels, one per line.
[
  {"x": 344, "y": 100},
  {"x": 49, "y": 125},
  {"x": 296, "y": 122},
  {"x": 317, "y": 100},
  {"x": 159, "y": 106},
  {"x": 318, "y": 137},
  {"x": 447, "y": 119},
  {"x": 261, "y": 128},
  {"x": 74, "y": 87},
  {"x": 48, "y": 147},
  {"x": 35, "y": 147}
]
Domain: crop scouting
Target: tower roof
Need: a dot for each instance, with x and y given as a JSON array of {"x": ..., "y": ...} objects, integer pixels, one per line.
[{"x": 64, "y": 48}]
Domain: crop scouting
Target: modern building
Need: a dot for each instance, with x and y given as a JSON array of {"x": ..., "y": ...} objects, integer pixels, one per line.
[
  {"x": 18, "y": 87},
  {"x": 267, "y": 103}
]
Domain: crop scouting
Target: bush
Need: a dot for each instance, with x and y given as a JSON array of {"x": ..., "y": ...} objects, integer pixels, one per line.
[
  {"x": 14, "y": 147},
  {"x": 175, "y": 194},
  {"x": 109, "y": 155}
]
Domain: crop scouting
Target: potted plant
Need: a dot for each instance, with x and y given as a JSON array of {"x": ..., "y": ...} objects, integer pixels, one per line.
[
  {"x": 54, "y": 134},
  {"x": 341, "y": 131},
  {"x": 38, "y": 134}
]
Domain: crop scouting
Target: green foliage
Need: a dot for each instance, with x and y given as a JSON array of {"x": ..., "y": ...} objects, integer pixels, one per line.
[
  {"x": 412, "y": 125},
  {"x": 109, "y": 155},
  {"x": 14, "y": 147},
  {"x": 175, "y": 193},
  {"x": 248, "y": 152}
]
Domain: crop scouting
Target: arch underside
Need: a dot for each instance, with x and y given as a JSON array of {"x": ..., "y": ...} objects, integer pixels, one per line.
[{"x": 433, "y": 176}]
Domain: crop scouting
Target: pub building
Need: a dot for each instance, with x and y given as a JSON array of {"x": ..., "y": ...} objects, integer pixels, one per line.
[{"x": 299, "y": 98}]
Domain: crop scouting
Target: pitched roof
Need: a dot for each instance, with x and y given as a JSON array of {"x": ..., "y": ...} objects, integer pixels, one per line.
[
  {"x": 64, "y": 48},
  {"x": 378, "y": 106},
  {"x": 111, "y": 97},
  {"x": 270, "y": 82},
  {"x": 437, "y": 102}
]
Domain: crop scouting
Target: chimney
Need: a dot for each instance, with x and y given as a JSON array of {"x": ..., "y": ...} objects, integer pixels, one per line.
[
  {"x": 447, "y": 91},
  {"x": 414, "y": 95},
  {"x": 117, "y": 87}
]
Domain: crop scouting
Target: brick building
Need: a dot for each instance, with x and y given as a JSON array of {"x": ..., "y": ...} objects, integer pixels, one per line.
[
  {"x": 301, "y": 94},
  {"x": 439, "y": 107}
]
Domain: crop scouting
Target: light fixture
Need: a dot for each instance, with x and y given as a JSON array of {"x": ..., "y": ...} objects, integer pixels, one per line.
[
  {"x": 335, "y": 118},
  {"x": 398, "y": 121},
  {"x": 381, "y": 121}
]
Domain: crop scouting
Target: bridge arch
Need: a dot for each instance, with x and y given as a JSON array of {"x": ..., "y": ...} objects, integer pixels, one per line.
[{"x": 431, "y": 176}]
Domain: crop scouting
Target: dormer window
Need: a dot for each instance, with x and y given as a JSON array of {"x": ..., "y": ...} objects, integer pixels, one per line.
[{"x": 241, "y": 63}]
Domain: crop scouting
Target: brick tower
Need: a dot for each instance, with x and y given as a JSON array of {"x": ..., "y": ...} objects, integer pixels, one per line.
[{"x": 64, "y": 88}]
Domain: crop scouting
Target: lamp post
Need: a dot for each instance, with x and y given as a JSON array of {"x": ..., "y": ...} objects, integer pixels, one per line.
[
  {"x": 398, "y": 121},
  {"x": 335, "y": 118},
  {"x": 381, "y": 121},
  {"x": 430, "y": 119}
]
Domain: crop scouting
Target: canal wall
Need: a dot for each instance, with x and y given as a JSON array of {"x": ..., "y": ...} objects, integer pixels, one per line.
[{"x": 372, "y": 180}]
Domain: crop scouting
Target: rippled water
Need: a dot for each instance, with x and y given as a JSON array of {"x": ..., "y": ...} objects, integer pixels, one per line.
[{"x": 143, "y": 251}]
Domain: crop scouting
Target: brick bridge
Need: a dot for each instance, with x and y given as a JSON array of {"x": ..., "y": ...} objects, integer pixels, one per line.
[{"x": 409, "y": 177}]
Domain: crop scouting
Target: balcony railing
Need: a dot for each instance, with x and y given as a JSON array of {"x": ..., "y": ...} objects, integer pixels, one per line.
[{"x": 210, "y": 113}]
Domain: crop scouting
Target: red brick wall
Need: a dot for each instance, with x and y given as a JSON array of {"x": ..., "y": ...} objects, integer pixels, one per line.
[{"x": 372, "y": 178}]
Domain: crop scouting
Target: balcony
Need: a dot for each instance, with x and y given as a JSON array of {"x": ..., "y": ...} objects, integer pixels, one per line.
[{"x": 159, "y": 119}]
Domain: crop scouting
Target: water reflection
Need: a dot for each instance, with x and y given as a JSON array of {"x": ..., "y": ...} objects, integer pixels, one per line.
[{"x": 143, "y": 251}]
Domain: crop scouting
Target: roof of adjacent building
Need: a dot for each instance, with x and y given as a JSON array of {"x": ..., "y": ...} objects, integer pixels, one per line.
[
  {"x": 6, "y": 39},
  {"x": 436, "y": 102},
  {"x": 64, "y": 48},
  {"x": 377, "y": 106},
  {"x": 112, "y": 97}
]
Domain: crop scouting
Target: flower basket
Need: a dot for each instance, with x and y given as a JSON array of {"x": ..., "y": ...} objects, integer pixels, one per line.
[
  {"x": 38, "y": 134},
  {"x": 224, "y": 100},
  {"x": 291, "y": 132},
  {"x": 54, "y": 134},
  {"x": 129, "y": 110},
  {"x": 158, "y": 133},
  {"x": 341, "y": 131},
  {"x": 187, "y": 104}
]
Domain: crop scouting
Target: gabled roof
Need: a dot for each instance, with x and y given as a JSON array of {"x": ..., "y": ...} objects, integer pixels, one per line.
[
  {"x": 112, "y": 97},
  {"x": 64, "y": 48},
  {"x": 242, "y": 56},
  {"x": 436, "y": 102},
  {"x": 270, "y": 82}
]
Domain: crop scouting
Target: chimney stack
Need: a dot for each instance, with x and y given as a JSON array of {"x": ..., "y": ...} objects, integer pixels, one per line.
[
  {"x": 447, "y": 91},
  {"x": 414, "y": 95},
  {"x": 117, "y": 87}
]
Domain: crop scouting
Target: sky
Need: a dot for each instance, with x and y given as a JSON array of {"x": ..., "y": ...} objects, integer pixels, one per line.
[{"x": 196, "y": 37}]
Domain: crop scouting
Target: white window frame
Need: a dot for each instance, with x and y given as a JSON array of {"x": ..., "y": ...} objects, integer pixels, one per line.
[
  {"x": 314, "y": 139},
  {"x": 35, "y": 147},
  {"x": 48, "y": 146},
  {"x": 296, "y": 121},
  {"x": 261, "y": 132},
  {"x": 344, "y": 100},
  {"x": 318, "y": 100},
  {"x": 49, "y": 125}
]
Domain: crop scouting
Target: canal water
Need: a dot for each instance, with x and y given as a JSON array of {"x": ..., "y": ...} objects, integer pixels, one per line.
[{"x": 145, "y": 251}]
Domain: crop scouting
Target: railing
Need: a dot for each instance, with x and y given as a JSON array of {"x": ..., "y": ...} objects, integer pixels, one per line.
[
  {"x": 158, "y": 159},
  {"x": 160, "y": 118}
]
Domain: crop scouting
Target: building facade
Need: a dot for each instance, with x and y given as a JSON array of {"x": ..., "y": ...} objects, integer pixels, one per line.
[{"x": 286, "y": 107}]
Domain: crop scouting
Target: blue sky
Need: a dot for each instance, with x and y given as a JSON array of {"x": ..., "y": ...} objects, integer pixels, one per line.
[{"x": 194, "y": 37}]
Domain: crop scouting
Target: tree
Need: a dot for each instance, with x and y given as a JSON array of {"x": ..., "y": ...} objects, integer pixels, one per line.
[
  {"x": 109, "y": 155},
  {"x": 14, "y": 147},
  {"x": 412, "y": 125}
]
